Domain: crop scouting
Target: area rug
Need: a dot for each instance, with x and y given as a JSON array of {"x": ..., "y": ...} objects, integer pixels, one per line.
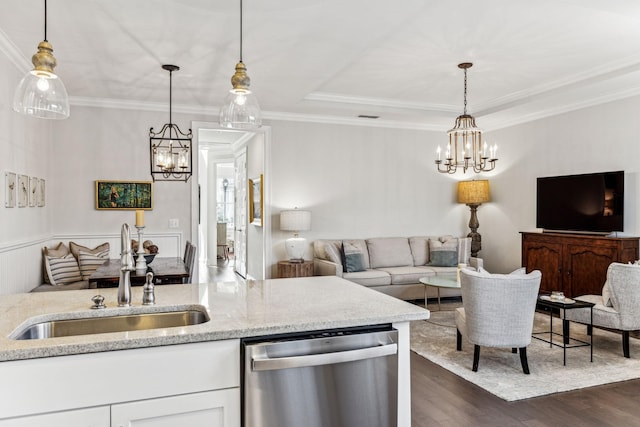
[{"x": 500, "y": 372}]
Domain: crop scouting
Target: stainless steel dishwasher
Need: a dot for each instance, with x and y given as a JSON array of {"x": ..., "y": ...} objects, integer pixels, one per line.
[{"x": 340, "y": 378}]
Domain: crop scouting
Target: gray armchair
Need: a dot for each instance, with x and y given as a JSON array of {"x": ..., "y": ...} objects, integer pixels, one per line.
[
  {"x": 619, "y": 305},
  {"x": 497, "y": 311}
]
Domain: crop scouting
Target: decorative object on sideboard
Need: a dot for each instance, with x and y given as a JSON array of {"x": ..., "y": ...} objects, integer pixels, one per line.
[
  {"x": 465, "y": 148},
  {"x": 473, "y": 194},
  {"x": 41, "y": 92},
  {"x": 256, "y": 200},
  {"x": 9, "y": 189},
  {"x": 124, "y": 195},
  {"x": 240, "y": 109},
  {"x": 295, "y": 220},
  {"x": 170, "y": 148}
]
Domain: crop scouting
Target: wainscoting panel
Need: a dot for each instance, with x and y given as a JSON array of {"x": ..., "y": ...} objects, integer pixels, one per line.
[{"x": 21, "y": 263}]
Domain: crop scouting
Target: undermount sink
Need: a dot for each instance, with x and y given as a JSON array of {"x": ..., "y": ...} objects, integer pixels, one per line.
[{"x": 102, "y": 325}]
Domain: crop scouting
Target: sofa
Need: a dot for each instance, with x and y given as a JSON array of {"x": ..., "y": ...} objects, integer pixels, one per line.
[{"x": 394, "y": 265}]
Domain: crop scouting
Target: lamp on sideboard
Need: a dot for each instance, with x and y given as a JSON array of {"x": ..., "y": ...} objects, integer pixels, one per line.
[
  {"x": 473, "y": 194},
  {"x": 295, "y": 220}
]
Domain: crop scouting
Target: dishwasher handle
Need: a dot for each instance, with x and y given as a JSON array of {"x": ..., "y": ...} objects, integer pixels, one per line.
[{"x": 270, "y": 364}]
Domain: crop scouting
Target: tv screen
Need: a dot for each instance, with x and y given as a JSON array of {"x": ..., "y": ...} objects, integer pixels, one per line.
[{"x": 586, "y": 203}]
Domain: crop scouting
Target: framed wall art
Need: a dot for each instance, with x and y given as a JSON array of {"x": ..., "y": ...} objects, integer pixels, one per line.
[
  {"x": 124, "y": 195},
  {"x": 40, "y": 193},
  {"x": 23, "y": 190},
  {"x": 33, "y": 189},
  {"x": 256, "y": 201},
  {"x": 9, "y": 189}
]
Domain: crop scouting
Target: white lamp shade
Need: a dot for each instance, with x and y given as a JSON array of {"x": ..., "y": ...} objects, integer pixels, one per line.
[{"x": 295, "y": 220}]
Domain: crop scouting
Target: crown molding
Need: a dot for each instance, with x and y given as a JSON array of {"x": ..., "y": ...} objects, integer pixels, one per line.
[
  {"x": 380, "y": 102},
  {"x": 14, "y": 54}
]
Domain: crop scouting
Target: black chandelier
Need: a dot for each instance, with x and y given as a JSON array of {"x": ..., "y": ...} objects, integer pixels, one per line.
[{"x": 170, "y": 148}]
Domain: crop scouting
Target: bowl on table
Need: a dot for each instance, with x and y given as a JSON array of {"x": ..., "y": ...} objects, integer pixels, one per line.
[{"x": 149, "y": 258}]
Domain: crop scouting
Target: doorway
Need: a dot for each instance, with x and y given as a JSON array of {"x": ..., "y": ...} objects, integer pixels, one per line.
[{"x": 220, "y": 197}]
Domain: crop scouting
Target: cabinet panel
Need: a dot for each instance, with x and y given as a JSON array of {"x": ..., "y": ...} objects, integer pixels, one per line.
[
  {"x": 88, "y": 417},
  {"x": 207, "y": 409},
  {"x": 587, "y": 267},
  {"x": 546, "y": 257}
]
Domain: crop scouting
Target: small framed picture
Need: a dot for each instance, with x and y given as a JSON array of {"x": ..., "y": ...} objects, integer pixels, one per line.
[
  {"x": 9, "y": 189},
  {"x": 23, "y": 190},
  {"x": 40, "y": 193},
  {"x": 33, "y": 189},
  {"x": 256, "y": 200}
]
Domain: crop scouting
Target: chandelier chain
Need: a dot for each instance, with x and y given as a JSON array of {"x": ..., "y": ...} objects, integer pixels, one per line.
[{"x": 465, "y": 91}]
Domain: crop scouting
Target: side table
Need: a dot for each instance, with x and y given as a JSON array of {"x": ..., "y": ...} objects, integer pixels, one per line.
[
  {"x": 562, "y": 306},
  {"x": 295, "y": 269}
]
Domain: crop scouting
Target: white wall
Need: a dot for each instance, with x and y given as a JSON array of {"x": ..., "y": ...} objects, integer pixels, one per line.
[
  {"x": 361, "y": 182},
  {"x": 596, "y": 139}
]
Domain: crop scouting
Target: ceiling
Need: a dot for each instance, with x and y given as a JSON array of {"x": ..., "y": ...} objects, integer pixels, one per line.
[{"x": 332, "y": 60}]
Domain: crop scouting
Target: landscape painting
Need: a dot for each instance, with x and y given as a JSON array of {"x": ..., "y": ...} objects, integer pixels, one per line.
[{"x": 124, "y": 195}]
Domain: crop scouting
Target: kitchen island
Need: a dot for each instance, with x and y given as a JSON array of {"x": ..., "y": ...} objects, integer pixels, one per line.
[{"x": 98, "y": 375}]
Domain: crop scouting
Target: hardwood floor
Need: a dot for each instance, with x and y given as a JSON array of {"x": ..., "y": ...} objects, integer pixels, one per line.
[{"x": 440, "y": 398}]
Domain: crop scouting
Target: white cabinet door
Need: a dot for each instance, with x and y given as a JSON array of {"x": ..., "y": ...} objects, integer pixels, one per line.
[
  {"x": 207, "y": 409},
  {"x": 88, "y": 417}
]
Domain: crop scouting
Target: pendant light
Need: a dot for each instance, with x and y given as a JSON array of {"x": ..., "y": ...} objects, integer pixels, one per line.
[
  {"x": 465, "y": 148},
  {"x": 240, "y": 109},
  {"x": 170, "y": 148},
  {"x": 41, "y": 92}
]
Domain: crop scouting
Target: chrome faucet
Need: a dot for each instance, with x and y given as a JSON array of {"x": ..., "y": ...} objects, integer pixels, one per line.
[
  {"x": 126, "y": 267},
  {"x": 148, "y": 296}
]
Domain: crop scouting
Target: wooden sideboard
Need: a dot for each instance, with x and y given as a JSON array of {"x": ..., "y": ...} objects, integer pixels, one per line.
[{"x": 574, "y": 263}]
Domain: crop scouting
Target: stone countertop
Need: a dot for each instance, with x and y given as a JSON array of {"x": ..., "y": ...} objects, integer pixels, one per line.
[{"x": 236, "y": 309}]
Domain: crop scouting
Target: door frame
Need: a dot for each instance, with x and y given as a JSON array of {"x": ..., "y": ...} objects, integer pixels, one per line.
[{"x": 267, "y": 253}]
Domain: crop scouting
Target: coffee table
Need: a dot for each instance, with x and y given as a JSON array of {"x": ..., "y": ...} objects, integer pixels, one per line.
[
  {"x": 567, "y": 341},
  {"x": 439, "y": 282}
]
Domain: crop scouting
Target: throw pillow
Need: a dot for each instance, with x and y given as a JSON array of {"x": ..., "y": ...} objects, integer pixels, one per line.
[
  {"x": 63, "y": 270},
  {"x": 89, "y": 263},
  {"x": 464, "y": 250},
  {"x": 443, "y": 253},
  {"x": 606, "y": 294},
  {"x": 76, "y": 248},
  {"x": 352, "y": 258},
  {"x": 332, "y": 253},
  {"x": 58, "y": 252}
]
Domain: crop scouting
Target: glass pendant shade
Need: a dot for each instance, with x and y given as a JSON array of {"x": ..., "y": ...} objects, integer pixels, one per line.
[{"x": 41, "y": 93}]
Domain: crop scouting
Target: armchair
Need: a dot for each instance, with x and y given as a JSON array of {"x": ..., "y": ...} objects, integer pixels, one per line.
[
  {"x": 619, "y": 305},
  {"x": 497, "y": 311}
]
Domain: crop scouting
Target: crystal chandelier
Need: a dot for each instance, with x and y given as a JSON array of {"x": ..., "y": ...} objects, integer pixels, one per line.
[
  {"x": 465, "y": 148},
  {"x": 170, "y": 147},
  {"x": 240, "y": 109},
  {"x": 41, "y": 92}
]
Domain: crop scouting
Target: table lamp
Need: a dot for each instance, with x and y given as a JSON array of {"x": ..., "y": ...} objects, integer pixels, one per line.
[
  {"x": 473, "y": 194},
  {"x": 295, "y": 220}
]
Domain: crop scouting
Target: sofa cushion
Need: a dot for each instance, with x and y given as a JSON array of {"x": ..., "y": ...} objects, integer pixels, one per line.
[
  {"x": 369, "y": 277},
  {"x": 89, "y": 263},
  {"x": 420, "y": 249},
  {"x": 439, "y": 271},
  {"x": 76, "y": 248},
  {"x": 58, "y": 251},
  {"x": 389, "y": 252},
  {"x": 62, "y": 270},
  {"x": 405, "y": 275},
  {"x": 352, "y": 258},
  {"x": 333, "y": 252}
]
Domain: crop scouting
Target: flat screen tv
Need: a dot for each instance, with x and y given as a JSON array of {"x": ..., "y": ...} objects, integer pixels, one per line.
[{"x": 591, "y": 203}]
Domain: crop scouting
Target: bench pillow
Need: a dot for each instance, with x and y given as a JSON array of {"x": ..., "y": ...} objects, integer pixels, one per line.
[
  {"x": 89, "y": 263},
  {"x": 76, "y": 248},
  {"x": 58, "y": 252},
  {"x": 62, "y": 270}
]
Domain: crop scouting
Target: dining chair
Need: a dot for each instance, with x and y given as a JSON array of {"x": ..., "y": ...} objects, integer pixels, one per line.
[{"x": 190, "y": 257}]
